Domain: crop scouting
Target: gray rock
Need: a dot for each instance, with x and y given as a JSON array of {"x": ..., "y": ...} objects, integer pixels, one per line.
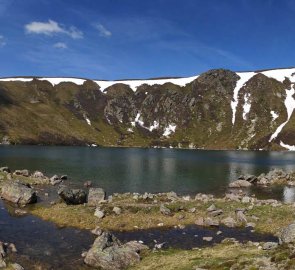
[
  {"x": 24, "y": 173},
  {"x": 216, "y": 213},
  {"x": 99, "y": 213},
  {"x": 172, "y": 196},
  {"x": 5, "y": 169},
  {"x": 108, "y": 253},
  {"x": 229, "y": 222},
  {"x": 38, "y": 174},
  {"x": 18, "y": 193},
  {"x": 97, "y": 231},
  {"x": 241, "y": 216},
  {"x": 55, "y": 180},
  {"x": 16, "y": 266},
  {"x": 240, "y": 184},
  {"x": 192, "y": 210},
  {"x": 211, "y": 208},
  {"x": 269, "y": 245},
  {"x": 208, "y": 238},
  {"x": 211, "y": 222},
  {"x": 287, "y": 234},
  {"x": 117, "y": 210},
  {"x": 164, "y": 210},
  {"x": 96, "y": 196},
  {"x": 72, "y": 196}
]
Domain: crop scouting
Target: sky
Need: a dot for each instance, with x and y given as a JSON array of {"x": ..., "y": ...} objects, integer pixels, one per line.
[{"x": 121, "y": 39}]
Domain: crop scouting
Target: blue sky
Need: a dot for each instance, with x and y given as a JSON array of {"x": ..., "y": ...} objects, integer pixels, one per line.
[{"x": 119, "y": 39}]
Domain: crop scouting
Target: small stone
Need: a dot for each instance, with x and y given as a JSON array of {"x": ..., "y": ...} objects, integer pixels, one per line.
[
  {"x": 97, "y": 231},
  {"x": 96, "y": 196},
  {"x": 24, "y": 173},
  {"x": 208, "y": 238},
  {"x": 240, "y": 184},
  {"x": 229, "y": 222},
  {"x": 16, "y": 266},
  {"x": 216, "y": 213},
  {"x": 211, "y": 208},
  {"x": 199, "y": 221},
  {"x": 192, "y": 210},
  {"x": 99, "y": 213},
  {"x": 12, "y": 247},
  {"x": 219, "y": 232},
  {"x": 269, "y": 245},
  {"x": 246, "y": 199},
  {"x": 164, "y": 210},
  {"x": 117, "y": 210}
]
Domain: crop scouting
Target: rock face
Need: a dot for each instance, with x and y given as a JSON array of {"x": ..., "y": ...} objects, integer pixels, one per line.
[
  {"x": 220, "y": 109},
  {"x": 96, "y": 196},
  {"x": 18, "y": 193},
  {"x": 72, "y": 196},
  {"x": 108, "y": 253}
]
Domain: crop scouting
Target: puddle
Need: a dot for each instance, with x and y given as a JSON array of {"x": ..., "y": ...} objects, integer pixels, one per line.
[{"x": 192, "y": 236}]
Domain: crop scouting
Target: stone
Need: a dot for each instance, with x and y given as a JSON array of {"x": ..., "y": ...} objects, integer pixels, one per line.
[
  {"x": 232, "y": 197},
  {"x": 172, "y": 196},
  {"x": 55, "y": 180},
  {"x": 211, "y": 222},
  {"x": 287, "y": 234},
  {"x": 117, "y": 210},
  {"x": 24, "y": 173},
  {"x": 192, "y": 210},
  {"x": 208, "y": 238},
  {"x": 99, "y": 213},
  {"x": 5, "y": 169},
  {"x": 246, "y": 199},
  {"x": 97, "y": 231},
  {"x": 241, "y": 216},
  {"x": 16, "y": 266},
  {"x": 229, "y": 222},
  {"x": 199, "y": 221},
  {"x": 240, "y": 184},
  {"x": 12, "y": 248},
  {"x": 96, "y": 196},
  {"x": 269, "y": 245},
  {"x": 164, "y": 210},
  {"x": 72, "y": 196},
  {"x": 108, "y": 253},
  {"x": 216, "y": 213},
  {"x": 211, "y": 208},
  {"x": 38, "y": 174},
  {"x": 18, "y": 193}
]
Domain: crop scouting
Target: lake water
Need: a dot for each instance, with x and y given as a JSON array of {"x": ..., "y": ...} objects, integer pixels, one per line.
[{"x": 150, "y": 170}]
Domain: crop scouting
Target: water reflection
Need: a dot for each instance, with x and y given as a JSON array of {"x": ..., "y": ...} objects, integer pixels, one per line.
[{"x": 147, "y": 170}]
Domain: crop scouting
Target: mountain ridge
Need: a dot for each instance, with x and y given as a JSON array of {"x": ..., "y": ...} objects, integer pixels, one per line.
[{"x": 218, "y": 109}]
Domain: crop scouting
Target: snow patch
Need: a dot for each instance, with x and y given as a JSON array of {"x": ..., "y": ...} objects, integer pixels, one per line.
[
  {"x": 244, "y": 77},
  {"x": 279, "y": 74},
  {"x": 289, "y": 147},
  {"x": 133, "y": 84},
  {"x": 290, "y": 106},
  {"x": 247, "y": 106},
  {"x": 154, "y": 126},
  {"x": 16, "y": 79},
  {"x": 169, "y": 130},
  {"x": 274, "y": 115},
  {"x": 53, "y": 81}
]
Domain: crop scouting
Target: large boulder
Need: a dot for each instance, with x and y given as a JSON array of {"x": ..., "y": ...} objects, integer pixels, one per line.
[
  {"x": 107, "y": 252},
  {"x": 96, "y": 196},
  {"x": 287, "y": 234},
  {"x": 18, "y": 193},
  {"x": 72, "y": 196}
]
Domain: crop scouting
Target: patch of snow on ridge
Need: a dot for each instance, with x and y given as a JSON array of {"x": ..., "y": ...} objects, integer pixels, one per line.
[
  {"x": 244, "y": 77},
  {"x": 169, "y": 130},
  {"x": 247, "y": 106},
  {"x": 289, "y": 147},
  {"x": 154, "y": 126},
  {"x": 279, "y": 74},
  {"x": 133, "y": 84},
  {"x": 53, "y": 81},
  {"x": 290, "y": 106},
  {"x": 274, "y": 115}
]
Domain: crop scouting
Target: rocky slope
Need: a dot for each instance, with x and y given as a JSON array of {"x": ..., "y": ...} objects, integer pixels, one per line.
[{"x": 219, "y": 109}]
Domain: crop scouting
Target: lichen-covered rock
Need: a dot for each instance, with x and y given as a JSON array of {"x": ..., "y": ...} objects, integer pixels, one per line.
[
  {"x": 96, "y": 196},
  {"x": 18, "y": 193},
  {"x": 240, "y": 184},
  {"x": 108, "y": 253},
  {"x": 287, "y": 234},
  {"x": 72, "y": 196}
]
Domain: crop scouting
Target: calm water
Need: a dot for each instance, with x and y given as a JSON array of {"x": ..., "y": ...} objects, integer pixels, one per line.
[{"x": 151, "y": 170}]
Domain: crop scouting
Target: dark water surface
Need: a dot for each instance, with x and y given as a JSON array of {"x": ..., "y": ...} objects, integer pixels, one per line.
[{"x": 151, "y": 170}]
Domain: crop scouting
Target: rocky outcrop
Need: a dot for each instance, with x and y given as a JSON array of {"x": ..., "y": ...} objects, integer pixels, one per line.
[
  {"x": 18, "y": 193},
  {"x": 107, "y": 252},
  {"x": 72, "y": 196},
  {"x": 96, "y": 196}
]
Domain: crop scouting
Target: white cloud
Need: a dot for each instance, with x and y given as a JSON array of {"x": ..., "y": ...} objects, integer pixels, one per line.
[
  {"x": 2, "y": 41},
  {"x": 60, "y": 45},
  {"x": 103, "y": 32},
  {"x": 51, "y": 27}
]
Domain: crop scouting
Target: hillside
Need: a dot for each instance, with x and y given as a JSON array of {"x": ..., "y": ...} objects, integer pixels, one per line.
[{"x": 218, "y": 109}]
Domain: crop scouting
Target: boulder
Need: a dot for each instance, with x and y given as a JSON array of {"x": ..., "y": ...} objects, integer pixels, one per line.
[
  {"x": 96, "y": 196},
  {"x": 165, "y": 210},
  {"x": 229, "y": 222},
  {"x": 270, "y": 245},
  {"x": 55, "y": 180},
  {"x": 24, "y": 173},
  {"x": 38, "y": 174},
  {"x": 117, "y": 210},
  {"x": 249, "y": 178},
  {"x": 18, "y": 193},
  {"x": 287, "y": 234},
  {"x": 240, "y": 184},
  {"x": 99, "y": 213},
  {"x": 108, "y": 253},
  {"x": 72, "y": 196},
  {"x": 5, "y": 169}
]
